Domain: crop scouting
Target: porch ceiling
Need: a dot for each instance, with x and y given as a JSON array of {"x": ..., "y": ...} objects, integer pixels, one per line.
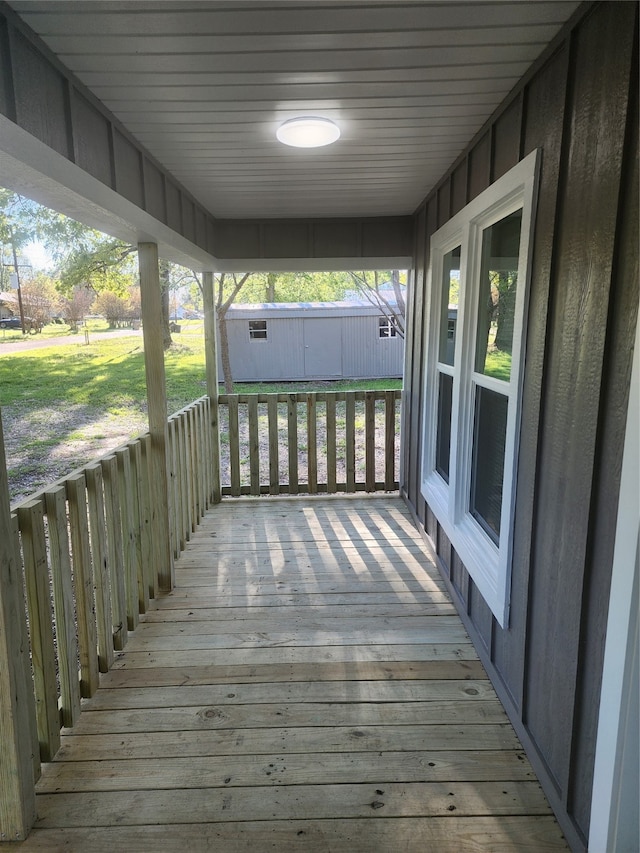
[{"x": 204, "y": 85}]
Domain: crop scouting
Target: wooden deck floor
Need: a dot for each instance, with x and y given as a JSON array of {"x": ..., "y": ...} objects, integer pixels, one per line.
[{"x": 307, "y": 686}]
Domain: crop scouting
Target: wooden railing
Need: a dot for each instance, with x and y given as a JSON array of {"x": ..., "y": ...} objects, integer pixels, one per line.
[
  {"x": 192, "y": 483},
  {"x": 88, "y": 552},
  {"x": 309, "y": 442},
  {"x": 87, "y": 545}
]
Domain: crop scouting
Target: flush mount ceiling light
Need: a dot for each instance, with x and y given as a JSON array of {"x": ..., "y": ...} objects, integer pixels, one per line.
[{"x": 308, "y": 132}]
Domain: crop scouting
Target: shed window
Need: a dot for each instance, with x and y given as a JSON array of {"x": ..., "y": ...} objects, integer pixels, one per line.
[
  {"x": 474, "y": 365},
  {"x": 258, "y": 330},
  {"x": 386, "y": 327}
]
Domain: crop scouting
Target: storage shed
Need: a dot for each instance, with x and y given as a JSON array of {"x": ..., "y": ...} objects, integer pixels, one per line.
[{"x": 312, "y": 340}]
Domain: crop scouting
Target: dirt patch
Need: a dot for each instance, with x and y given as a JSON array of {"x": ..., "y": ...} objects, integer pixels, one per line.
[{"x": 43, "y": 445}]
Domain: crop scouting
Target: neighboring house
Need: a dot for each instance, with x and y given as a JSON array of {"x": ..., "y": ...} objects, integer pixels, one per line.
[
  {"x": 526, "y": 484},
  {"x": 313, "y": 340},
  {"x": 8, "y": 304}
]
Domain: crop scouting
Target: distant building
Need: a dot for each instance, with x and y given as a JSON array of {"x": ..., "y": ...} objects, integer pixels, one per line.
[
  {"x": 8, "y": 304},
  {"x": 312, "y": 340}
]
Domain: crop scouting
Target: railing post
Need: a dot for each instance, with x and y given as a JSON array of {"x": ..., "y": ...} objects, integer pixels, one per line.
[
  {"x": 17, "y": 709},
  {"x": 211, "y": 362},
  {"x": 157, "y": 407}
]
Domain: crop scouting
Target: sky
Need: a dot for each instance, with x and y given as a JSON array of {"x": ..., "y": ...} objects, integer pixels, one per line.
[{"x": 37, "y": 255}]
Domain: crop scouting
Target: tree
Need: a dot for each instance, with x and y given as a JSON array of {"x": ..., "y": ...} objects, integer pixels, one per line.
[
  {"x": 38, "y": 300},
  {"x": 76, "y": 305},
  {"x": 374, "y": 286},
  {"x": 226, "y": 288},
  {"x": 84, "y": 257},
  {"x": 16, "y": 231},
  {"x": 112, "y": 307},
  {"x": 295, "y": 287}
]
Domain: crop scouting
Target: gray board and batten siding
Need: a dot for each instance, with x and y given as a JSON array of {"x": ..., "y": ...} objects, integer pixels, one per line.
[
  {"x": 579, "y": 106},
  {"x": 271, "y": 342}
]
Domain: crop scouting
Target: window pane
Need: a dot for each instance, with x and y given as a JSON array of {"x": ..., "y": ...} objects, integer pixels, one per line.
[
  {"x": 497, "y": 300},
  {"x": 449, "y": 305},
  {"x": 443, "y": 437},
  {"x": 386, "y": 327},
  {"x": 489, "y": 434},
  {"x": 257, "y": 329}
]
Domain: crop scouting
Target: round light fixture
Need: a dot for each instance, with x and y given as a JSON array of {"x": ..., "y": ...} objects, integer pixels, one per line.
[{"x": 308, "y": 132}]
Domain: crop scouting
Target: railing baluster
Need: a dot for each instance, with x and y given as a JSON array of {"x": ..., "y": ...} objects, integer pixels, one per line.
[
  {"x": 191, "y": 467},
  {"x": 104, "y": 618},
  {"x": 214, "y": 437},
  {"x": 185, "y": 501},
  {"x": 129, "y": 550},
  {"x": 350, "y": 439},
  {"x": 142, "y": 546},
  {"x": 177, "y": 540},
  {"x": 43, "y": 658},
  {"x": 330, "y": 404},
  {"x": 390, "y": 440},
  {"x": 312, "y": 444},
  {"x": 209, "y": 453},
  {"x": 274, "y": 456},
  {"x": 30, "y": 702},
  {"x": 195, "y": 443},
  {"x": 234, "y": 444},
  {"x": 203, "y": 459},
  {"x": 114, "y": 545},
  {"x": 370, "y": 441},
  {"x": 63, "y": 605},
  {"x": 83, "y": 576},
  {"x": 292, "y": 436},
  {"x": 151, "y": 545},
  {"x": 254, "y": 445}
]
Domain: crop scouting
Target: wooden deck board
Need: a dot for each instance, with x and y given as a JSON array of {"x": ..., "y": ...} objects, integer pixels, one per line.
[{"x": 307, "y": 685}]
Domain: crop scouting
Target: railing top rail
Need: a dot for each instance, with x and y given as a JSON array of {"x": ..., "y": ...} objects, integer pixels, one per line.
[{"x": 302, "y": 396}]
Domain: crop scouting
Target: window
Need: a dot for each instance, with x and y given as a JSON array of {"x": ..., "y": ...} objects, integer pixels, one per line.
[
  {"x": 477, "y": 298},
  {"x": 258, "y": 330},
  {"x": 386, "y": 327}
]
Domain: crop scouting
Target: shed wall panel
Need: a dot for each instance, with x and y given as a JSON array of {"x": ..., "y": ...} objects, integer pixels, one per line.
[
  {"x": 344, "y": 345},
  {"x": 365, "y": 353}
]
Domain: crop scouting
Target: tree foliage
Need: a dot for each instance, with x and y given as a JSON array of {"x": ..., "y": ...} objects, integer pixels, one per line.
[
  {"x": 39, "y": 300},
  {"x": 384, "y": 290},
  {"x": 75, "y": 306}
]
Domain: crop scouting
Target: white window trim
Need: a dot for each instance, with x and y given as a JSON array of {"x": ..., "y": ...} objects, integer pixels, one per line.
[
  {"x": 488, "y": 564},
  {"x": 388, "y": 324}
]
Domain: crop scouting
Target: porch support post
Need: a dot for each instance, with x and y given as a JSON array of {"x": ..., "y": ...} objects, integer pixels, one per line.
[
  {"x": 17, "y": 792},
  {"x": 211, "y": 355},
  {"x": 151, "y": 302}
]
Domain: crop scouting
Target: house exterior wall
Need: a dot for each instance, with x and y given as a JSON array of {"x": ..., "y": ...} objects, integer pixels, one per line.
[
  {"x": 580, "y": 107},
  {"x": 329, "y": 342}
]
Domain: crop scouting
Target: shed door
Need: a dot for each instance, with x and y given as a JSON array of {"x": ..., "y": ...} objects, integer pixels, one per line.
[{"x": 322, "y": 348}]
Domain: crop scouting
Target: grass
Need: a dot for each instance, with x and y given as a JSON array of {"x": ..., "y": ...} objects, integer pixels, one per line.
[
  {"x": 498, "y": 365},
  {"x": 65, "y": 404},
  {"x": 54, "y": 330}
]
